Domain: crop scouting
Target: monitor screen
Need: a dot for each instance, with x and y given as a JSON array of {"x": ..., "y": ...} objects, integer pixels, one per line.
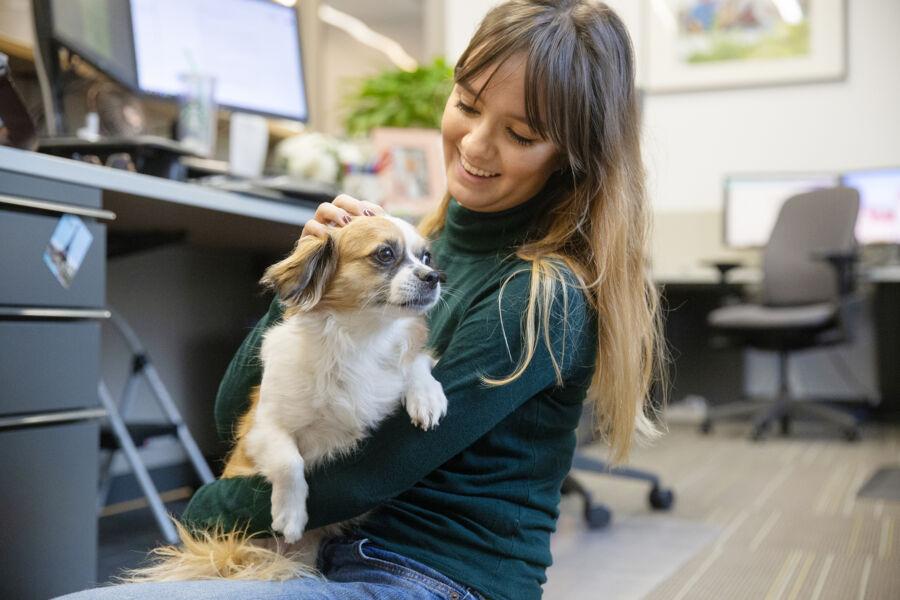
[
  {"x": 251, "y": 47},
  {"x": 752, "y": 204},
  {"x": 879, "y": 205},
  {"x": 99, "y": 31}
]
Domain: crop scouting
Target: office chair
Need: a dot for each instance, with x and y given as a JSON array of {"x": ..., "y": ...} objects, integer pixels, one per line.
[
  {"x": 598, "y": 516},
  {"x": 807, "y": 278}
]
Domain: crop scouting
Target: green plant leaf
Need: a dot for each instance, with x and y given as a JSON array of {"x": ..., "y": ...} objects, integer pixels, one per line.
[{"x": 396, "y": 98}]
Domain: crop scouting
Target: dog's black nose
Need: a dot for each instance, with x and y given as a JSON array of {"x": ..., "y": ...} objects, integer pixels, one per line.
[{"x": 430, "y": 277}]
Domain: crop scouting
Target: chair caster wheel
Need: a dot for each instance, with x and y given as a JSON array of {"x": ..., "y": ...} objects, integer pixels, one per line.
[
  {"x": 785, "y": 426},
  {"x": 706, "y": 426},
  {"x": 851, "y": 435},
  {"x": 661, "y": 498},
  {"x": 597, "y": 517}
]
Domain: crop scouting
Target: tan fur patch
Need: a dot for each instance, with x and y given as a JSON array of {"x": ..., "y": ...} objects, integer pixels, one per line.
[
  {"x": 357, "y": 281},
  {"x": 238, "y": 463}
]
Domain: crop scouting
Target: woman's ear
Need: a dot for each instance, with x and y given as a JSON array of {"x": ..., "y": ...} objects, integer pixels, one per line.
[{"x": 301, "y": 278}]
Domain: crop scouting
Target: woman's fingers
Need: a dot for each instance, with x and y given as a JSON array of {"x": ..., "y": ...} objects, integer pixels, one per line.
[
  {"x": 338, "y": 213},
  {"x": 313, "y": 227},
  {"x": 329, "y": 213},
  {"x": 358, "y": 207}
]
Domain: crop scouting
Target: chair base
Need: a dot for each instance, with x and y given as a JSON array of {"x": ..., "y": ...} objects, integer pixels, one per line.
[
  {"x": 598, "y": 515},
  {"x": 783, "y": 411}
]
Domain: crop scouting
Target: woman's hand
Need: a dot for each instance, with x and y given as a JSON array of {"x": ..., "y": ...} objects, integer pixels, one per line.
[{"x": 338, "y": 213}]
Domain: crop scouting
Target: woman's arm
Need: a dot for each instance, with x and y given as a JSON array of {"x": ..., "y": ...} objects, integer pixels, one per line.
[{"x": 398, "y": 454}]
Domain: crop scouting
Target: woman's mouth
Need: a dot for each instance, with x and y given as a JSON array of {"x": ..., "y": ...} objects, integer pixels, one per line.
[{"x": 475, "y": 171}]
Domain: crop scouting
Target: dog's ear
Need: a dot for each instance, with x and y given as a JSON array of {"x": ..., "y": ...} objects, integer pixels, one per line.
[{"x": 300, "y": 279}]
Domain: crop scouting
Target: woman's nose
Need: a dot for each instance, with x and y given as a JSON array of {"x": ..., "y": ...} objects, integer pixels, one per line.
[{"x": 477, "y": 143}]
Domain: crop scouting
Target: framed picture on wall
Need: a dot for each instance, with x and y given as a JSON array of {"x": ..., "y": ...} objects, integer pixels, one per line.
[
  {"x": 707, "y": 44},
  {"x": 414, "y": 180}
]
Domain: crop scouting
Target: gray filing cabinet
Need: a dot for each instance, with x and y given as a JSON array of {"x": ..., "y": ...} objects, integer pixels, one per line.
[{"x": 49, "y": 409}]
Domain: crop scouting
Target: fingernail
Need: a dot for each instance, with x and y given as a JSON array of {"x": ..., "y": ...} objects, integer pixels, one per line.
[
  {"x": 346, "y": 219},
  {"x": 368, "y": 213}
]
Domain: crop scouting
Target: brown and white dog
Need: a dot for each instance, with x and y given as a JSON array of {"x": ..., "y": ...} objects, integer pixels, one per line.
[{"x": 348, "y": 351}]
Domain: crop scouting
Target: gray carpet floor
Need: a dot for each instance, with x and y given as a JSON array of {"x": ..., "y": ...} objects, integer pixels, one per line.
[{"x": 778, "y": 519}]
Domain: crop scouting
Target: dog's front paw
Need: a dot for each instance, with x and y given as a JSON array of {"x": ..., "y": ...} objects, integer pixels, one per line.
[
  {"x": 289, "y": 512},
  {"x": 426, "y": 402}
]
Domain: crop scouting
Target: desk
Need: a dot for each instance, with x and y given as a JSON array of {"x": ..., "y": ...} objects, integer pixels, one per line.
[
  {"x": 721, "y": 375},
  {"x": 886, "y": 313},
  {"x": 50, "y": 342}
]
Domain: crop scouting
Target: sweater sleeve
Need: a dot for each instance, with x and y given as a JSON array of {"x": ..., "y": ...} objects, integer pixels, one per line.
[
  {"x": 487, "y": 342},
  {"x": 243, "y": 373}
]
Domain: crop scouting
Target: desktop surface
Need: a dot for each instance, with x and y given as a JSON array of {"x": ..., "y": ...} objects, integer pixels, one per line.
[{"x": 207, "y": 216}]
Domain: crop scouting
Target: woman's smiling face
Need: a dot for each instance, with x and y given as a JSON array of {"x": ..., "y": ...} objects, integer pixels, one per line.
[{"x": 494, "y": 160}]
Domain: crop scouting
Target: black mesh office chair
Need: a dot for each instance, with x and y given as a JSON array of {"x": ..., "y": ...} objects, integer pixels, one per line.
[{"x": 807, "y": 278}]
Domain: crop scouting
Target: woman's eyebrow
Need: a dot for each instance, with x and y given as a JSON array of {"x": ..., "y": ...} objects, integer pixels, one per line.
[{"x": 466, "y": 88}]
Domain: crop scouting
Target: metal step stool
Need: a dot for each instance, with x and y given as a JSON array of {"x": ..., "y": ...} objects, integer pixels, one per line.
[{"x": 128, "y": 437}]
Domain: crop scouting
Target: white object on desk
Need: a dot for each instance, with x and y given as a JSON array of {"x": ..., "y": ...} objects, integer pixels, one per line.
[{"x": 248, "y": 141}]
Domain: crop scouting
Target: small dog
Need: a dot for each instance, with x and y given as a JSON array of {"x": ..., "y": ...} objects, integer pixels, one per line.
[{"x": 348, "y": 351}]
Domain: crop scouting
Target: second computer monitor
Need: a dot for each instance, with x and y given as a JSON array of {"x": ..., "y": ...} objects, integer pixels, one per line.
[
  {"x": 879, "y": 204},
  {"x": 752, "y": 203}
]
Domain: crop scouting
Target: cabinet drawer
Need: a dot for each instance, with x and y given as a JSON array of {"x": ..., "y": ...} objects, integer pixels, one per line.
[
  {"x": 48, "y": 510},
  {"x": 24, "y": 278},
  {"x": 26, "y": 186},
  {"x": 48, "y": 366}
]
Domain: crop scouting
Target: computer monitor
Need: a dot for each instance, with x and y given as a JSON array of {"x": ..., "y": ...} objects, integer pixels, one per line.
[
  {"x": 99, "y": 31},
  {"x": 752, "y": 203},
  {"x": 251, "y": 47},
  {"x": 879, "y": 204}
]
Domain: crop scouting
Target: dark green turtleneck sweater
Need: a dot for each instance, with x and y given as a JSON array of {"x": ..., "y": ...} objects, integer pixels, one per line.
[{"x": 477, "y": 497}]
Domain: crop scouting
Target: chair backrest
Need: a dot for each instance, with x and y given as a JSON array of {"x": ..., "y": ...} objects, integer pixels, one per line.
[{"x": 814, "y": 222}]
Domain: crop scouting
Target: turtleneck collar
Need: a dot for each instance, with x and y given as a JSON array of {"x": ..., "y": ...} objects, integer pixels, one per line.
[{"x": 473, "y": 232}]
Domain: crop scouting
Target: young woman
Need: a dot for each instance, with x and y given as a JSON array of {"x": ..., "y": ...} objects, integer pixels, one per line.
[{"x": 543, "y": 238}]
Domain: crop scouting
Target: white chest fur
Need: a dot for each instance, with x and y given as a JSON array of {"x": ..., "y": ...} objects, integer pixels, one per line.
[{"x": 329, "y": 380}]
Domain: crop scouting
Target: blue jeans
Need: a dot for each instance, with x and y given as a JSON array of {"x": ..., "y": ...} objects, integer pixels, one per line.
[{"x": 355, "y": 569}]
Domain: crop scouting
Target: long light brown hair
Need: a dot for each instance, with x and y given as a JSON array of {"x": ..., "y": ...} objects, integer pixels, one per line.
[{"x": 580, "y": 94}]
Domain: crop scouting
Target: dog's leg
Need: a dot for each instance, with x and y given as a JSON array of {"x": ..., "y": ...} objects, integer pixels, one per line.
[
  {"x": 275, "y": 454},
  {"x": 425, "y": 400}
]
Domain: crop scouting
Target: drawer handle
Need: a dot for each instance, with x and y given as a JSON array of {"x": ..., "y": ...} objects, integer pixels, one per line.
[
  {"x": 58, "y": 207},
  {"x": 57, "y": 417},
  {"x": 55, "y": 313}
]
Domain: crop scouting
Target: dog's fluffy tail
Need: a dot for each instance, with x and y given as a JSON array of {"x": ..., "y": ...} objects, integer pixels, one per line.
[{"x": 219, "y": 554}]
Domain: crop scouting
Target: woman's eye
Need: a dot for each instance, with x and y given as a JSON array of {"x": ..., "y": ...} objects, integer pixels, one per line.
[
  {"x": 426, "y": 258},
  {"x": 466, "y": 108},
  {"x": 522, "y": 141},
  {"x": 385, "y": 254}
]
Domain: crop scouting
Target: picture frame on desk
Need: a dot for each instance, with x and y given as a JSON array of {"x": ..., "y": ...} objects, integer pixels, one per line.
[
  {"x": 414, "y": 181},
  {"x": 697, "y": 44}
]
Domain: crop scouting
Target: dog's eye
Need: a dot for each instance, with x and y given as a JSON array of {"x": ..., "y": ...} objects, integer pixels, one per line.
[
  {"x": 385, "y": 254},
  {"x": 426, "y": 258}
]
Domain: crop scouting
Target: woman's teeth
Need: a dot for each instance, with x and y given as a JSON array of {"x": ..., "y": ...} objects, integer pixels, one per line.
[{"x": 474, "y": 171}]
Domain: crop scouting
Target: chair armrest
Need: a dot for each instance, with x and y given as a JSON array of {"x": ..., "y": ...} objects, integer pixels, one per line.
[{"x": 844, "y": 264}]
